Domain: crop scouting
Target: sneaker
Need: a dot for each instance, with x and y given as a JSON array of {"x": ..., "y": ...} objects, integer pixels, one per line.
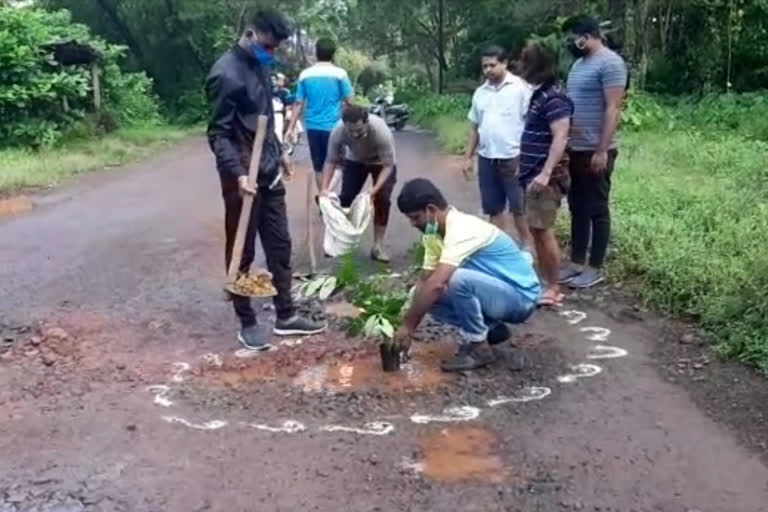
[
  {"x": 470, "y": 357},
  {"x": 498, "y": 334},
  {"x": 568, "y": 274},
  {"x": 587, "y": 279},
  {"x": 254, "y": 337},
  {"x": 298, "y": 326}
]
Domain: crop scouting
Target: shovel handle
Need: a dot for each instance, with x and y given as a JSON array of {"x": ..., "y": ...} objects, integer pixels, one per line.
[{"x": 245, "y": 212}]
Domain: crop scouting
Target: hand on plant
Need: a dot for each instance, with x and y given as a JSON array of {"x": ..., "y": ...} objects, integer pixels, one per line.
[{"x": 403, "y": 339}]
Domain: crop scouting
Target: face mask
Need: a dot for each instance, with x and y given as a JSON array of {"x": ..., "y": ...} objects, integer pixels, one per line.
[
  {"x": 265, "y": 57},
  {"x": 431, "y": 228},
  {"x": 576, "y": 49}
]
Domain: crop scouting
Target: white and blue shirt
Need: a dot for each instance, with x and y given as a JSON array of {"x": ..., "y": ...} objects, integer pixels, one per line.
[
  {"x": 322, "y": 88},
  {"x": 499, "y": 113}
]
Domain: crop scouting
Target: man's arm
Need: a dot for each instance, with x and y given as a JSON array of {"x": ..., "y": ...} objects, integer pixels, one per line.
[
  {"x": 297, "y": 110},
  {"x": 427, "y": 294},
  {"x": 386, "y": 151},
  {"x": 223, "y": 98},
  {"x": 347, "y": 92},
  {"x": 333, "y": 159},
  {"x": 613, "y": 99},
  {"x": 472, "y": 141},
  {"x": 559, "y": 128}
]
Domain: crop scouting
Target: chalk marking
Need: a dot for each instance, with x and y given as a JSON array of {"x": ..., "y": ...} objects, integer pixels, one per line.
[
  {"x": 208, "y": 425},
  {"x": 416, "y": 467},
  {"x": 574, "y": 317},
  {"x": 581, "y": 371},
  {"x": 527, "y": 395},
  {"x": 376, "y": 428},
  {"x": 606, "y": 352},
  {"x": 161, "y": 395},
  {"x": 179, "y": 369},
  {"x": 600, "y": 333},
  {"x": 451, "y": 414},
  {"x": 212, "y": 359},
  {"x": 288, "y": 427},
  {"x": 292, "y": 343}
]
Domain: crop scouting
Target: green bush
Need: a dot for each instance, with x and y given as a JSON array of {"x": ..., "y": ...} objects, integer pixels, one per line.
[{"x": 41, "y": 99}]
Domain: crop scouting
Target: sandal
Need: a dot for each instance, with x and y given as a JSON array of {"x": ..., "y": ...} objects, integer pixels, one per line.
[
  {"x": 551, "y": 300},
  {"x": 378, "y": 254}
]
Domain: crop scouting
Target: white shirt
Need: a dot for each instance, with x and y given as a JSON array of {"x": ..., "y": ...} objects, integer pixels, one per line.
[{"x": 499, "y": 112}]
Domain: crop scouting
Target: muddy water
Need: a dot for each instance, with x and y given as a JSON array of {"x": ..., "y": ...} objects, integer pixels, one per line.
[
  {"x": 15, "y": 205},
  {"x": 461, "y": 454},
  {"x": 323, "y": 371}
]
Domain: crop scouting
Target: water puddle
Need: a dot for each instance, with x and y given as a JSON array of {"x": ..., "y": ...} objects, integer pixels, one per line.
[
  {"x": 461, "y": 454},
  {"x": 15, "y": 205},
  {"x": 422, "y": 372}
]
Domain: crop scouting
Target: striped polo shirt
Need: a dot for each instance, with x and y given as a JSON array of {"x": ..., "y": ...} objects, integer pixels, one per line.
[
  {"x": 587, "y": 81},
  {"x": 548, "y": 104}
]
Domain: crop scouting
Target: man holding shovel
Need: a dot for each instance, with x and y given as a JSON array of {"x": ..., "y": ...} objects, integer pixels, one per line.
[{"x": 239, "y": 90}]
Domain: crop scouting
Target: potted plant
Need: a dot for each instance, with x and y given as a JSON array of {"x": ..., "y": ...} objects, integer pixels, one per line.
[{"x": 379, "y": 327}]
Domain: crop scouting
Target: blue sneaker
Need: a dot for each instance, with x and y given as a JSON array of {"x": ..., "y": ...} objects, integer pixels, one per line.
[{"x": 568, "y": 274}]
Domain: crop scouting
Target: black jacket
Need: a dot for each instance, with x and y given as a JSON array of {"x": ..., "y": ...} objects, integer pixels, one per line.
[{"x": 238, "y": 89}]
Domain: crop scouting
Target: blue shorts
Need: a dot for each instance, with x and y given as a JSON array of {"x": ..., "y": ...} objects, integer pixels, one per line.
[
  {"x": 500, "y": 186},
  {"x": 318, "y": 148}
]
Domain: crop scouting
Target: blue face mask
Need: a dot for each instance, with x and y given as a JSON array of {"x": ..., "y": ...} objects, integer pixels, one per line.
[
  {"x": 432, "y": 227},
  {"x": 265, "y": 57}
]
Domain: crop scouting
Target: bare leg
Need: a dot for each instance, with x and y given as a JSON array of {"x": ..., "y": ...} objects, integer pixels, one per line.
[
  {"x": 548, "y": 254},
  {"x": 500, "y": 221},
  {"x": 523, "y": 232}
]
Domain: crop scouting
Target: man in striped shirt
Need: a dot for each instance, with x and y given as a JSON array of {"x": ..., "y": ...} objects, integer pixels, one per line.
[
  {"x": 597, "y": 83},
  {"x": 544, "y": 162}
]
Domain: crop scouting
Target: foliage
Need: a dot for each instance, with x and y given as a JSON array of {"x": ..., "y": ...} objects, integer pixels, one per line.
[
  {"x": 40, "y": 99},
  {"x": 691, "y": 229},
  {"x": 321, "y": 287},
  {"x": 353, "y": 61},
  {"x": 371, "y": 76},
  {"x": 23, "y": 168}
]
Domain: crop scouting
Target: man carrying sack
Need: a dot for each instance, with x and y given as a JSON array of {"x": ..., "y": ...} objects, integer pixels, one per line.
[
  {"x": 239, "y": 90},
  {"x": 364, "y": 146}
]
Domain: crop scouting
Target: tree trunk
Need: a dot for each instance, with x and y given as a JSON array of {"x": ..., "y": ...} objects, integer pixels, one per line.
[
  {"x": 114, "y": 16},
  {"x": 440, "y": 47},
  {"x": 618, "y": 12}
]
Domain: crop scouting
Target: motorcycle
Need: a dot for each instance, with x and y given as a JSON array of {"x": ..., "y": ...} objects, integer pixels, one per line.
[{"x": 395, "y": 115}]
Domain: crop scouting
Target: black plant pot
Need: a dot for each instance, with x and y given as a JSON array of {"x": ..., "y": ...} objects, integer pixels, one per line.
[{"x": 390, "y": 357}]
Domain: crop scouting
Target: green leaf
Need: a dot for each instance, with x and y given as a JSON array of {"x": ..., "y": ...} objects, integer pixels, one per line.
[
  {"x": 314, "y": 286},
  {"x": 329, "y": 286},
  {"x": 387, "y": 329},
  {"x": 370, "y": 326}
]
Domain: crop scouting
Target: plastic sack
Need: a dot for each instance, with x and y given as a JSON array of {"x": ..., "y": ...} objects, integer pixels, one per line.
[{"x": 344, "y": 227}]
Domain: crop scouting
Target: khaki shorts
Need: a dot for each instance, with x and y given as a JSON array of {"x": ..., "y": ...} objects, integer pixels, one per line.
[{"x": 541, "y": 206}]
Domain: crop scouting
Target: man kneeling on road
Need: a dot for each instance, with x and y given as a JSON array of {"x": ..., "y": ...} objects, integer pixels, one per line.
[
  {"x": 476, "y": 277},
  {"x": 369, "y": 146}
]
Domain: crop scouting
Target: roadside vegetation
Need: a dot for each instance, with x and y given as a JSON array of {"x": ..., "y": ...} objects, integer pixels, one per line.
[{"x": 690, "y": 209}]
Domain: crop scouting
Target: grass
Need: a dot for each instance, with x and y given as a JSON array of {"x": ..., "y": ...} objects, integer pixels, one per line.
[
  {"x": 690, "y": 210},
  {"x": 23, "y": 169}
]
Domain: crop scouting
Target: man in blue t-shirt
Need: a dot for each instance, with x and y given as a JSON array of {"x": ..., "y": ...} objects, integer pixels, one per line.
[{"x": 322, "y": 89}]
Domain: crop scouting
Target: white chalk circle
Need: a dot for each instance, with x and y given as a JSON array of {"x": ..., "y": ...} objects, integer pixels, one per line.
[
  {"x": 292, "y": 343},
  {"x": 179, "y": 370},
  {"x": 606, "y": 352},
  {"x": 376, "y": 428},
  {"x": 574, "y": 317},
  {"x": 529, "y": 394},
  {"x": 161, "y": 395},
  {"x": 212, "y": 359},
  {"x": 598, "y": 333},
  {"x": 288, "y": 427},
  {"x": 580, "y": 371},
  {"x": 208, "y": 425},
  {"x": 452, "y": 414}
]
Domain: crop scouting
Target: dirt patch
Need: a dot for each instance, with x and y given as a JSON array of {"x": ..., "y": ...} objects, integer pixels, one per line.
[
  {"x": 15, "y": 205},
  {"x": 462, "y": 454}
]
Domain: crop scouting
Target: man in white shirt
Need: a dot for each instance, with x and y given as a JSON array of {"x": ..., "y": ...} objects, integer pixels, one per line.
[{"x": 498, "y": 118}]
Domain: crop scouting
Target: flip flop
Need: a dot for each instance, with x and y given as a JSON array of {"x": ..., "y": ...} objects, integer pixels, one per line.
[
  {"x": 551, "y": 302},
  {"x": 380, "y": 256}
]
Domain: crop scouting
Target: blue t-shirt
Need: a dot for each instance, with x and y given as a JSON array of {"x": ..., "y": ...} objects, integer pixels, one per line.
[{"x": 322, "y": 88}]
